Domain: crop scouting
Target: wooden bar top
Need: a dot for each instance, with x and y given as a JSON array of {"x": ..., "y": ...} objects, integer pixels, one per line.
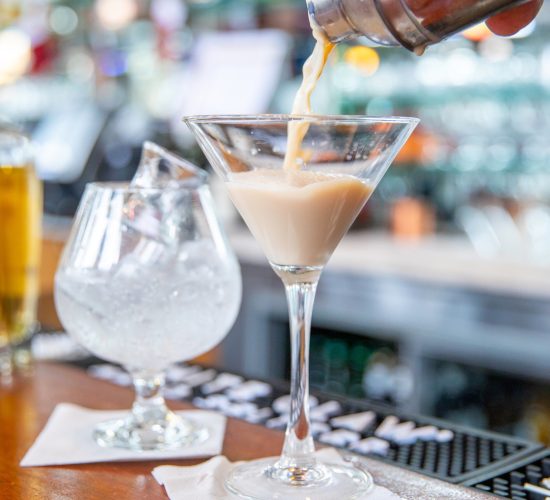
[{"x": 25, "y": 407}]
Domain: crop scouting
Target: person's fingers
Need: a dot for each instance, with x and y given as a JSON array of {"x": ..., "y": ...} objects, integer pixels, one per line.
[{"x": 512, "y": 20}]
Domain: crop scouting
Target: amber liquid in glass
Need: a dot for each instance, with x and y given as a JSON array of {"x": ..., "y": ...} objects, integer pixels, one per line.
[{"x": 20, "y": 228}]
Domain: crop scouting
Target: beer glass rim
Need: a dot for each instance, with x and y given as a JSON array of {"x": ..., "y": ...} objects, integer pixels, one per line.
[
  {"x": 15, "y": 146},
  {"x": 9, "y": 128}
]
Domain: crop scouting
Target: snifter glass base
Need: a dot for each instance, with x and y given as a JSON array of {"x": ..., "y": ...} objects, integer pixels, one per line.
[
  {"x": 166, "y": 433},
  {"x": 267, "y": 480}
]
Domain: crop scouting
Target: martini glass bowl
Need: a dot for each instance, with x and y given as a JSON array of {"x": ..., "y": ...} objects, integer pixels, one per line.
[{"x": 298, "y": 214}]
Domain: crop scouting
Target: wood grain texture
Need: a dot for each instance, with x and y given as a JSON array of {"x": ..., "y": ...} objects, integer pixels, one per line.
[{"x": 25, "y": 407}]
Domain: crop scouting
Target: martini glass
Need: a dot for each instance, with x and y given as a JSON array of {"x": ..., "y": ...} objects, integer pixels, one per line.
[{"x": 298, "y": 216}]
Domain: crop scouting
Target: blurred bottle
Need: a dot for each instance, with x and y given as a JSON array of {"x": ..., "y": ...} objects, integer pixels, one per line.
[
  {"x": 386, "y": 378},
  {"x": 538, "y": 418},
  {"x": 20, "y": 231},
  {"x": 358, "y": 358},
  {"x": 412, "y": 218},
  {"x": 413, "y": 24},
  {"x": 335, "y": 353}
]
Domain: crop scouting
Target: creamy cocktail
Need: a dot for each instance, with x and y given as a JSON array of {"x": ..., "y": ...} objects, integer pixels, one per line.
[{"x": 297, "y": 216}]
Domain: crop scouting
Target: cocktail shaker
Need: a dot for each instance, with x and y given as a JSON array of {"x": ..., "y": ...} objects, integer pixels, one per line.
[{"x": 413, "y": 24}]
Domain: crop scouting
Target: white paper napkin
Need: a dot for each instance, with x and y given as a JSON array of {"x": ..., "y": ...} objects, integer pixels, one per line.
[
  {"x": 67, "y": 438},
  {"x": 206, "y": 480}
]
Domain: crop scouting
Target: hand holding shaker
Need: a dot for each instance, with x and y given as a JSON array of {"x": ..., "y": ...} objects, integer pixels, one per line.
[{"x": 413, "y": 24}]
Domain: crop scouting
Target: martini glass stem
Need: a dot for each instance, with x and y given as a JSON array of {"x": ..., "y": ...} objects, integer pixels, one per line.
[{"x": 298, "y": 448}]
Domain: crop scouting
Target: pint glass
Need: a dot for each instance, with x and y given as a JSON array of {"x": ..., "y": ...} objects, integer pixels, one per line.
[{"x": 20, "y": 225}]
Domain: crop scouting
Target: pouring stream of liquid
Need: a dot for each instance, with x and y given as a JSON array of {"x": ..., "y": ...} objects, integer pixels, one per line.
[{"x": 312, "y": 70}]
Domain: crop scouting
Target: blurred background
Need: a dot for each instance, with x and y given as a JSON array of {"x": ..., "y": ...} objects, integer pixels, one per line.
[{"x": 438, "y": 301}]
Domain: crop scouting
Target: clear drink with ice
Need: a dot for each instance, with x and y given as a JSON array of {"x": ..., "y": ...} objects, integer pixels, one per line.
[
  {"x": 151, "y": 316},
  {"x": 147, "y": 278}
]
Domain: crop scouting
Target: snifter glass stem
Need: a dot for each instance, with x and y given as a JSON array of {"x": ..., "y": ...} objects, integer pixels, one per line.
[
  {"x": 297, "y": 457},
  {"x": 149, "y": 404},
  {"x": 150, "y": 425}
]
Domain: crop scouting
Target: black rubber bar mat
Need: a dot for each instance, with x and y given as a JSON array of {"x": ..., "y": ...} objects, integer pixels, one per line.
[{"x": 432, "y": 447}]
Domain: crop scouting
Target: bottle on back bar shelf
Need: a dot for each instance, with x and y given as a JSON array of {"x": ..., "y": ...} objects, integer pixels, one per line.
[{"x": 413, "y": 24}]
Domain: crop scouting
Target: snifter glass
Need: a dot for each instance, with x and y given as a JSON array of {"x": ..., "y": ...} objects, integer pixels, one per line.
[
  {"x": 147, "y": 278},
  {"x": 298, "y": 216}
]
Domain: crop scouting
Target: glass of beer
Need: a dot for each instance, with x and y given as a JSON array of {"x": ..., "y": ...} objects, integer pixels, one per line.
[{"x": 20, "y": 233}]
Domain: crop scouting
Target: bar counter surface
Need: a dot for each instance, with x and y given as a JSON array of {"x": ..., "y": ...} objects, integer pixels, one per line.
[{"x": 26, "y": 405}]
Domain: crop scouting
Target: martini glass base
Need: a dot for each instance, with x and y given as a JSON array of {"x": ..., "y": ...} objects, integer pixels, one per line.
[
  {"x": 167, "y": 433},
  {"x": 266, "y": 480}
]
